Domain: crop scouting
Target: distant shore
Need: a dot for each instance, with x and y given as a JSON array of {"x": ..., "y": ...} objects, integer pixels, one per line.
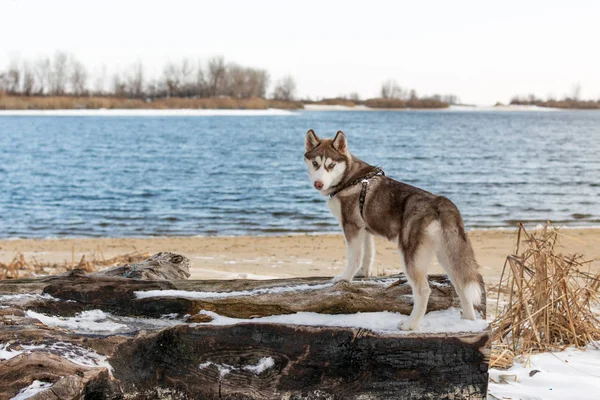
[
  {"x": 265, "y": 257},
  {"x": 189, "y": 112},
  {"x": 14, "y": 102}
]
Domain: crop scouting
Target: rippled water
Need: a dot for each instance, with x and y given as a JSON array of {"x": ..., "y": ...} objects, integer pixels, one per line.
[{"x": 234, "y": 175}]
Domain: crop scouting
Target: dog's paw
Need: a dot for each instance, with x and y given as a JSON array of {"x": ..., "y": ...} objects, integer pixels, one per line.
[
  {"x": 341, "y": 277},
  {"x": 408, "y": 325}
]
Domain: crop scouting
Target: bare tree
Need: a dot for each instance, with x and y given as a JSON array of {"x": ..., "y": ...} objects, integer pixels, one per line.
[
  {"x": 43, "y": 74},
  {"x": 119, "y": 88},
  {"x": 135, "y": 80},
  {"x": 187, "y": 78},
  {"x": 236, "y": 85},
  {"x": 27, "y": 79},
  {"x": 216, "y": 76},
  {"x": 576, "y": 92},
  {"x": 78, "y": 77},
  {"x": 12, "y": 78},
  {"x": 100, "y": 82},
  {"x": 285, "y": 89},
  {"x": 390, "y": 89},
  {"x": 201, "y": 86},
  {"x": 171, "y": 79},
  {"x": 59, "y": 73},
  {"x": 450, "y": 99},
  {"x": 258, "y": 80}
]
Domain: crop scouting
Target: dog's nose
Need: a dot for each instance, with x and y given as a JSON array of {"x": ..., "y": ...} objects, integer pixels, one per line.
[{"x": 318, "y": 185}]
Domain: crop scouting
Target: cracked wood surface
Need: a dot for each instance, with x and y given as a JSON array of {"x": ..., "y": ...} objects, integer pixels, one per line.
[{"x": 210, "y": 362}]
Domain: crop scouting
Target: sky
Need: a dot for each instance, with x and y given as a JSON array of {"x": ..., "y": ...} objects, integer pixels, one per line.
[{"x": 482, "y": 51}]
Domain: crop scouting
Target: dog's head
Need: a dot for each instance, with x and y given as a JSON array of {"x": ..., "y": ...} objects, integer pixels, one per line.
[{"x": 326, "y": 160}]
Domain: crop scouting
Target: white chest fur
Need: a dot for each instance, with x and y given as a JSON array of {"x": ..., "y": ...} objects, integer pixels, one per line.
[{"x": 335, "y": 207}]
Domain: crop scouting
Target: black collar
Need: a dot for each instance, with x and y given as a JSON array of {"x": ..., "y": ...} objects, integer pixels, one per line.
[{"x": 375, "y": 172}]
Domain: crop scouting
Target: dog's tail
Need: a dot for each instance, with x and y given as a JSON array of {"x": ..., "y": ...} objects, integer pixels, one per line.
[{"x": 457, "y": 256}]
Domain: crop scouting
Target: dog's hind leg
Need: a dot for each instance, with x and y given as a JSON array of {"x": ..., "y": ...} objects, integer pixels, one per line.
[
  {"x": 416, "y": 266},
  {"x": 366, "y": 265},
  {"x": 355, "y": 239},
  {"x": 457, "y": 259},
  {"x": 456, "y": 256}
]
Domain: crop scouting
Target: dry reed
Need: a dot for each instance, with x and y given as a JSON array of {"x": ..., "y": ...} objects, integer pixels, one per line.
[
  {"x": 550, "y": 299},
  {"x": 19, "y": 267},
  {"x": 108, "y": 102}
]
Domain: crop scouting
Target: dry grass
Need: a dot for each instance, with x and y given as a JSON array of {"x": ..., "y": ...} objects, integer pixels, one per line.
[
  {"x": 550, "y": 298},
  {"x": 19, "y": 267},
  {"x": 502, "y": 357},
  {"x": 97, "y": 102},
  {"x": 570, "y": 104},
  {"x": 337, "y": 101},
  {"x": 399, "y": 103}
]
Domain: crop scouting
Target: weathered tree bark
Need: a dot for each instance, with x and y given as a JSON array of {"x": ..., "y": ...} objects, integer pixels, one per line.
[
  {"x": 161, "y": 266},
  {"x": 70, "y": 381},
  {"x": 240, "y": 361}
]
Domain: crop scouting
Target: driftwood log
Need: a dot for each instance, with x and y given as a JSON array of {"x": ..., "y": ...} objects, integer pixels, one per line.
[{"x": 190, "y": 359}]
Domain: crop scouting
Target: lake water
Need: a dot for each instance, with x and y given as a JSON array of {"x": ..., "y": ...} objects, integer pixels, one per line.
[{"x": 245, "y": 175}]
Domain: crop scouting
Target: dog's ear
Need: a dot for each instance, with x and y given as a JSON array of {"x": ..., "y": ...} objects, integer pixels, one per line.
[
  {"x": 312, "y": 140},
  {"x": 340, "y": 143}
]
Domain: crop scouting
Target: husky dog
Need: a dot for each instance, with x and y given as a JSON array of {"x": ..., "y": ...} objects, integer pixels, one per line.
[{"x": 421, "y": 224}]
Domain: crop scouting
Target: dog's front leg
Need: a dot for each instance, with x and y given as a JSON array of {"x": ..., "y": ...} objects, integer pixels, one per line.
[
  {"x": 355, "y": 240},
  {"x": 366, "y": 266}
]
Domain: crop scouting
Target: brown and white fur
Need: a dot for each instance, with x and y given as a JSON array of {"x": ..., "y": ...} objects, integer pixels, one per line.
[{"x": 420, "y": 223}]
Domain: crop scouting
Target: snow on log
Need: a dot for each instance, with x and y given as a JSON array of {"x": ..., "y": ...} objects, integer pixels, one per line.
[{"x": 106, "y": 335}]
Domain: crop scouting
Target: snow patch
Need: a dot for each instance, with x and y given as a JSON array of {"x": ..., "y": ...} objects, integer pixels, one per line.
[
  {"x": 224, "y": 369},
  {"x": 25, "y": 297},
  {"x": 221, "y": 295},
  {"x": 263, "y": 364},
  {"x": 79, "y": 355},
  {"x": 102, "y": 323},
  {"x": 31, "y": 390},
  {"x": 379, "y": 282},
  {"x": 93, "y": 321},
  {"x": 445, "y": 321},
  {"x": 7, "y": 354},
  {"x": 570, "y": 374},
  {"x": 76, "y": 354}
]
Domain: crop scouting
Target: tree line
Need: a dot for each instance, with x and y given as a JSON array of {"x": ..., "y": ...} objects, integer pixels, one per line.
[
  {"x": 572, "y": 100},
  {"x": 391, "y": 90},
  {"x": 63, "y": 75}
]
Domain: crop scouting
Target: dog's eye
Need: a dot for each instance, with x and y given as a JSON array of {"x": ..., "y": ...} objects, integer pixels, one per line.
[
  {"x": 315, "y": 164},
  {"x": 331, "y": 165}
]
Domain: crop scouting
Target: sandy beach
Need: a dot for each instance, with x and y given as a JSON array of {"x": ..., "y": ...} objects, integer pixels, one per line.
[{"x": 256, "y": 257}]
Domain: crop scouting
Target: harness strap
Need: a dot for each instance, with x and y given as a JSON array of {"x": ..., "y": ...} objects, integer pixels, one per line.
[
  {"x": 363, "y": 195},
  {"x": 378, "y": 171}
]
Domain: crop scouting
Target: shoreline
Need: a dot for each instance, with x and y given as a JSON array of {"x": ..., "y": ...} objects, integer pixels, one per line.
[
  {"x": 284, "y": 256},
  {"x": 177, "y": 112},
  {"x": 529, "y": 228}
]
